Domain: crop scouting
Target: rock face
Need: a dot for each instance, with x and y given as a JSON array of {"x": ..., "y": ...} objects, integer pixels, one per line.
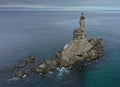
[{"x": 80, "y": 49}]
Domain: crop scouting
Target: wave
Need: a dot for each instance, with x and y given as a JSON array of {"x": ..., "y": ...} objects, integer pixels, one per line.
[
  {"x": 62, "y": 71},
  {"x": 13, "y": 79}
]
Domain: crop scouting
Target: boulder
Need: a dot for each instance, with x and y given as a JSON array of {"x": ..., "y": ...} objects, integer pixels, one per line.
[
  {"x": 29, "y": 60},
  {"x": 59, "y": 54},
  {"x": 20, "y": 74},
  {"x": 93, "y": 55}
]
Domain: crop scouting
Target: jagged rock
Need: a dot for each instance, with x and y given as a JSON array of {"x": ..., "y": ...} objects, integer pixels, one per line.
[
  {"x": 58, "y": 55},
  {"x": 93, "y": 54},
  {"x": 42, "y": 66},
  {"x": 29, "y": 60},
  {"x": 19, "y": 66},
  {"x": 66, "y": 63},
  {"x": 38, "y": 70},
  {"x": 20, "y": 74},
  {"x": 51, "y": 62},
  {"x": 94, "y": 41}
]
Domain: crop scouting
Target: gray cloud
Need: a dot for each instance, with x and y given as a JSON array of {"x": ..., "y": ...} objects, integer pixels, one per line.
[{"x": 59, "y": 3}]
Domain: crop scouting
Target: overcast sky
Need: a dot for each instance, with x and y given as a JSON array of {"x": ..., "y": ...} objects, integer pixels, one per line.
[{"x": 59, "y": 5}]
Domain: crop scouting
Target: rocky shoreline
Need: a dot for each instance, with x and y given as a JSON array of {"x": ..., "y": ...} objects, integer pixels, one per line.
[
  {"x": 51, "y": 64},
  {"x": 78, "y": 52}
]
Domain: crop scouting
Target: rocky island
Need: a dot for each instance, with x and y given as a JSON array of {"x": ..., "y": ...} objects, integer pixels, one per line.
[{"x": 79, "y": 51}]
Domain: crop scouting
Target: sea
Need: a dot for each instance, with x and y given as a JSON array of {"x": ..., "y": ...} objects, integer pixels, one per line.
[{"x": 44, "y": 33}]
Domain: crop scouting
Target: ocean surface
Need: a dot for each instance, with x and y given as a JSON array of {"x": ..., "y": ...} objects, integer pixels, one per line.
[{"x": 43, "y": 33}]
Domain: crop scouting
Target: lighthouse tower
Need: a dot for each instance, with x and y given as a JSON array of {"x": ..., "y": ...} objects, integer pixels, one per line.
[
  {"x": 82, "y": 22},
  {"x": 79, "y": 33},
  {"x": 78, "y": 46}
]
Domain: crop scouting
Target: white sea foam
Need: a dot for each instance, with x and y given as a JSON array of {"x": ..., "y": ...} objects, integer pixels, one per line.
[
  {"x": 13, "y": 79},
  {"x": 24, "y": 76},
  {"x": 50, "y": 72},
  {"x": 96, "y": 61},
  {"x": 62, "y": 71}
]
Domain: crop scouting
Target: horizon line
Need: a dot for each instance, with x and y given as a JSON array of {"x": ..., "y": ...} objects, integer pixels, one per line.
[{"x": 53, "y": 8}]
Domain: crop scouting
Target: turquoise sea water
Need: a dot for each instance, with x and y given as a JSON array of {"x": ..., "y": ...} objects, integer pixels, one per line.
[{"x": 42, "y": 34}]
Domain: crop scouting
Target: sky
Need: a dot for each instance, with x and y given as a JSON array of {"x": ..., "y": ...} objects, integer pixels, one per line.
[{"x": 58, "y": 5}]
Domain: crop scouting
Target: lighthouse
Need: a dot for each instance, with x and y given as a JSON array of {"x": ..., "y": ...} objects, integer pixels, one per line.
[
  {"x": 79, "y": 33},
  {"x": 82, "y": 22}
]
